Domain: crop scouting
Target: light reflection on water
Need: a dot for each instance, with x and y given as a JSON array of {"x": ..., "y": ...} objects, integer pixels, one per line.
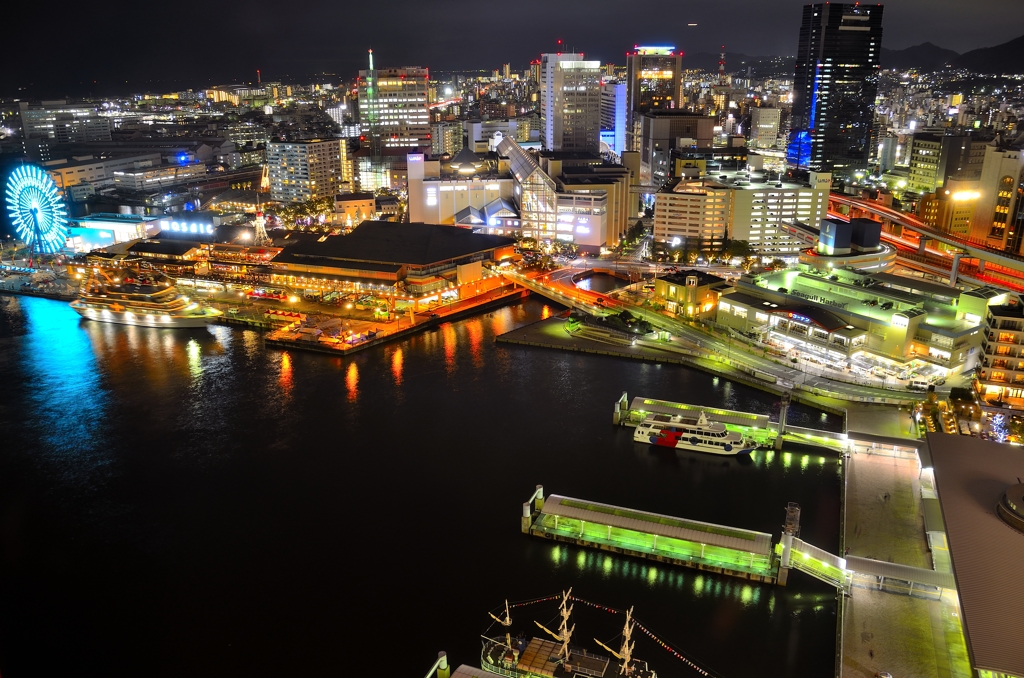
[
  {"x": 352, "y": 381},
  {"x": 68, "y": 398},
  {"x": 285, "y": 379},
  {"x": 396, "y": 366}
]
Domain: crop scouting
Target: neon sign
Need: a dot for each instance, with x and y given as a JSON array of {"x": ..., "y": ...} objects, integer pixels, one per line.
[{"x": 185, "y": 227}]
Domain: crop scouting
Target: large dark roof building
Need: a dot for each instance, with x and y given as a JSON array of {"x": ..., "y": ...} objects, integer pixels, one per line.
[
  {"x": 423, "y": 257},
  {"x": 977, "y": 481}
]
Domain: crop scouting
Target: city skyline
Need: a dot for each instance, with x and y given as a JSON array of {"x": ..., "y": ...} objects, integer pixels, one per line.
[{"x": 289, "y": 45}]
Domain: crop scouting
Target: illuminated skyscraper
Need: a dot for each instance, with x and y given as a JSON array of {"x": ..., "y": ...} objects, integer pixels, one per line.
[
  {"x": 570, "y": 97},
  {"x": 835, "y": 85},
  {"x": 393, "y": 108},
  {"x": 653, "y": 82},
  {"x": 613, "y": 116}
]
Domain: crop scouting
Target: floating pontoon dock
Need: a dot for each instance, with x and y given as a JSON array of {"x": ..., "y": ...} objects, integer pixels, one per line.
[{"x": 757, "y": 426}]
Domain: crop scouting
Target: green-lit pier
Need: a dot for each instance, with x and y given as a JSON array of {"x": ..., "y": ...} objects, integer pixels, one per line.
[{"x": 677, "y": 541}]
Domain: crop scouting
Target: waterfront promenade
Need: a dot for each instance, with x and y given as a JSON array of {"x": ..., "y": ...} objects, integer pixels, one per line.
[
  {"x": 551, "y": 333},
  {"x": 902, "y": 634},
  {"x": 558, "y": 286}
]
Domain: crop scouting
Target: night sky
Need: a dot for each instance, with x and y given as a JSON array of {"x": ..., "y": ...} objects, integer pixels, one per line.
[{"x": 62, "y": 46}]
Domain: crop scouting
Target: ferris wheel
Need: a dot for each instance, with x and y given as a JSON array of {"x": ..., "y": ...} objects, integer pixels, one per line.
[{"x": 37, "y": 210}]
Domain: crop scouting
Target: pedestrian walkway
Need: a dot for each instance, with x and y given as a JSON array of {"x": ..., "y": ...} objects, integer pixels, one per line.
[
  {"x": 905, "y": 635},
  {"x": 884, "y": 516}
]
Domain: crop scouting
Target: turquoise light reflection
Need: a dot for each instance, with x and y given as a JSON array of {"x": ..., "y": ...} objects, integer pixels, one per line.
[{"x": 69, "y": 398}]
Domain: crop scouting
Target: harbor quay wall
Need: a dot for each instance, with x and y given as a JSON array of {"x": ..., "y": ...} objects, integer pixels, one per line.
[
  {"x": 491, "y": 304},
  {"x": 738, "y": 377},
  {"x": 44, "y": 295}
]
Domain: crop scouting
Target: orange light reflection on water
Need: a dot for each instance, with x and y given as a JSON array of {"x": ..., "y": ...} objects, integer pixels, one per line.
[
  {"x": 285, "y": 378},
  {"x": 450, "y": 340},
  {"x": 352, "y": 381},
  {"x": 396, "y": 365},
  {"x": 475, "y": 330}
]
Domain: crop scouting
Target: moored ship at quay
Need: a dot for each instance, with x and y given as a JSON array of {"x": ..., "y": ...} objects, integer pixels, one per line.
[{"x": 131, "y": 295}]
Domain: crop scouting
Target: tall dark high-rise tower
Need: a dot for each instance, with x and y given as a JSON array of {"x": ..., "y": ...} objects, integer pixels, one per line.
[
  {"x": 835, "y": 86},
  {"x": 653, "y": 82}
]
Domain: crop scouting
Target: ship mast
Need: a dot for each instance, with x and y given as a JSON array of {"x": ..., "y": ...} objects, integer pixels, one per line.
[
  {"x": 507, "y": 621},
  {"x": 564, "y": 632},
  {"x": 625, "y": 653}
]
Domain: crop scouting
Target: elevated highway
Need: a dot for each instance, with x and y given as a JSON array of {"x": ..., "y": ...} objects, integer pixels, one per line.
[
  {"x": 856, "y": 207},
  {"x": 917, "y": 256}
]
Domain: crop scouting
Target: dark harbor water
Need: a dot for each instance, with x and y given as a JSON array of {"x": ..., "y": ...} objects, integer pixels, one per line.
[{"x": 188, "y": 502}]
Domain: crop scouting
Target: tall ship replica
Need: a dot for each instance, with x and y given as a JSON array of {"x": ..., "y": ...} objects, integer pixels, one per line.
[
  {"x": 698, "y": 435},
  {"x": 519, "y": 657},
  {"x": 135, "y": 295}
]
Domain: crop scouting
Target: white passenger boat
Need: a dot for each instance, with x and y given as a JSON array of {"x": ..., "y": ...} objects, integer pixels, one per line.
[
  {"x": 131, "y": 296},
  {"x": 699, "y": 435}
]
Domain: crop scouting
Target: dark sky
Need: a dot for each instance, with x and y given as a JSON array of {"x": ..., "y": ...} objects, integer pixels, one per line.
[{"x": 62, "y": 46}]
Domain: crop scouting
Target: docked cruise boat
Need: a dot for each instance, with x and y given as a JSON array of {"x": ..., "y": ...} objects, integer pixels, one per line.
[
  {"x": 138, "y": 296},
  {"x": 698, "y": 435}
]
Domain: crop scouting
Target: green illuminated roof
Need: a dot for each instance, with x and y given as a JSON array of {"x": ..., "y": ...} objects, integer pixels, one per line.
[{"x": 650, "y": 405}]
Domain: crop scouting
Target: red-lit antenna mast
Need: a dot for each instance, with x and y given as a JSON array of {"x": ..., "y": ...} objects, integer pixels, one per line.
[
  {"x": 721, "y": 67},
  {"x": 259, "y": 79}
]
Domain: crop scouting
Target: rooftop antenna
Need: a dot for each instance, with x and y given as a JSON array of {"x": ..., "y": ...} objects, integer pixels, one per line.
[
  {"x": 259, "y": 79},
  {"x": 371, "y": 108},
  {"x": 564, "y": 632},
  {"x": 625, "y": 653}
]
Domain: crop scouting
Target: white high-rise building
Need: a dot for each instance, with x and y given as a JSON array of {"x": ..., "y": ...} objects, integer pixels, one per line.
[
  {"x": 303, "y": 170},
  {"x": 706, "y": 212},
  {"x": 393, "y": 108},
  {"x": 570, "y": 97},
  {"x": 764, "y": 127}
]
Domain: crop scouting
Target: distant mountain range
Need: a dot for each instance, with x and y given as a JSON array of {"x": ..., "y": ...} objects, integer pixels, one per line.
[
  {"x": 1005, "y": 58},
  {"x": 927, "y": 57},
  {"x": 738, "y": 63}
]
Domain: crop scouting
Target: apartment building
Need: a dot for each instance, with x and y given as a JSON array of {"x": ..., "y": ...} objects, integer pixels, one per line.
[
  {"x": 1001, "y": 374},
  {"x": 303, "y": 170}
]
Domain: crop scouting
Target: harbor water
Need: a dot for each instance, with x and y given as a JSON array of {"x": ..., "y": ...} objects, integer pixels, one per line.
[{"x": 192, "y": 502}]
